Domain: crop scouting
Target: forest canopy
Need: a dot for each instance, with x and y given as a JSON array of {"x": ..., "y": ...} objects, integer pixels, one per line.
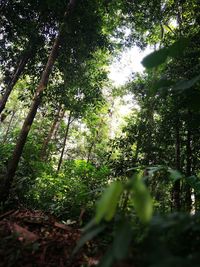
[{"x": 79, "y": 180}]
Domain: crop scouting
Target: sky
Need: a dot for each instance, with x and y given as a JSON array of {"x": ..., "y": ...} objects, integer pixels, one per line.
[
  {"x": 120, "y": 71},
  {"x": 129, "y": 62}
]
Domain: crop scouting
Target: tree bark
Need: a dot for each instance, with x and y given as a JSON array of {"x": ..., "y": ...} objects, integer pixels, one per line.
[
  {"x": 177, "y": 185},
  {"x": 188, "y": 200},
  {"x": 90, "y": 152},
  {"x": 8, "y": 128},
  {"x": 50, "y": 134},
  {"x": 19, "y": 70},
  {"x": 57, "y": 126},
  {"x": 95, "y": 140},
  {"x": 13, "y": 164},
  {"x": 176, "y": 188},
  {"x": 149, "y": 157},
  {"x": 64, "y": 142}
]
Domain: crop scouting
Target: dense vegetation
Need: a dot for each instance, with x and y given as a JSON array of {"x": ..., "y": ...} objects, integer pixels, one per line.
[{"x": 136, "y": 187}]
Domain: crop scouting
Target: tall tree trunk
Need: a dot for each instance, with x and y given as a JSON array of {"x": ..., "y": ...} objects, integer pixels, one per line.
[
  {"x": 150, "y": 124},
  {"x": 177, "y": 185},
  {"x": 90, "y": 152},
  {"x": 9, "y": 124},
  {"x": 188, "y": 200},
  {"x": 15, "y": 78},
  {"x": 64, "y": 142},
  {"x": 57, "y": 125},
  {"x": 12, "y": 165},
  {"x": 50, "y": 134},
  {"x": 94, "y": 142},
  {"x": 176, "y": 188}
]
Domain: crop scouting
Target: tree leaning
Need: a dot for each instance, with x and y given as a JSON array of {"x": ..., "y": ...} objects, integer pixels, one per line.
[{"x": 13, "y": 163}]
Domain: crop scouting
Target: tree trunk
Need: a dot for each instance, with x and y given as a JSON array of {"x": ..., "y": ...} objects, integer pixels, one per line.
[
  {"x": 188, "y": 200},
  {"x": 8, "y": 128},
  {"x": 64, "y": 142},
  {"x": 12, "y": 166},
  {"x": 50, "y": 134},
  {"x": 176, "y": 188},
  {"x": 57, "y": 125},
  {"x": 90, "y": 152},
  {"x": 94, "y": 142},
  {"x": 177, "y": 185},
  {"x": 150, "y": 124},
  {"x": 14, "y": 79}
]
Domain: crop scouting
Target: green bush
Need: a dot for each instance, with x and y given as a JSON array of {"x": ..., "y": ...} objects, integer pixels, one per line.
[
  {"x": 77, "y": 187},
  {"x": 172, "y": 240},
  {"x": 59, "y": 194}
]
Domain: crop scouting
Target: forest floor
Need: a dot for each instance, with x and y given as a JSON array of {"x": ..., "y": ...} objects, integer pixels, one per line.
[{"x": 33, "y": 238}]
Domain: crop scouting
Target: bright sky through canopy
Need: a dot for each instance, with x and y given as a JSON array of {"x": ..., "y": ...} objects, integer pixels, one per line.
[
  {"x": 121, "y": 69},
  {"x": 128, "y": 63}
]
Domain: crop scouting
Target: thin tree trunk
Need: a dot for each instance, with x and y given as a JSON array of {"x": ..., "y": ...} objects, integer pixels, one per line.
[
  {"x": 176, "y": 188},
  {"x": 90, "y": 152},
  {"x": 50, "y": 134},
  {"x": 136, "y": 153},
  {"x": 14, "y": 79},
  {"x": 8, "y": 128},
  {"x": 177, "y": 185},
  {"x": 149, "y": 157},
  {"x": 64, "y": 142},
  {"x": 189, "y": 153},
  {"x": 12, "y": 166},
  {"x": 57, "y": 125},
  {"x": 93, "y": 143},
  {"x": 188, "y": 200}
]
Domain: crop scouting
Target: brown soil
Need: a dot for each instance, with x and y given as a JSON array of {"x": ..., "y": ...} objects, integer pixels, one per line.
[{"x": 33, "y": 238}]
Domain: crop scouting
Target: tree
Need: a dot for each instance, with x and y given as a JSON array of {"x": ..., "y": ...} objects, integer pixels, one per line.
[
  {"x": 74, "y": 30},
  {"x": 30, "y": 117}
]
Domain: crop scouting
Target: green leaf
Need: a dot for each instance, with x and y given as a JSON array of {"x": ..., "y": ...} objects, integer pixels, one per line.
[
  {"x": 162, "y": 83},
  {"x": 120, "y": 246},
  {"x": 87, "y": 237},
  {"x": 175, "y": 175},
  {"x": 154, "y": 169},
  {"x": 155, "y": 59},
  {"x": 160, "y": 56},
  {"x": 122, "y": 241},
  {"x": 89, "y": 225},
  {"x": 108, "y": 203},
  {"x": 107, "y": 259},
  {"x": 178, "y": 48},
  {"x": 186, "y": 84},
  {"x": 142, "y": 200},
  {"x": 194, "y": 182}
]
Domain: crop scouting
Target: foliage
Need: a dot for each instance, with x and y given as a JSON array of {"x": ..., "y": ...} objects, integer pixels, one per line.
[
  {"x": 64, "y": 194},
  {"x": 65, "y": 157},
  {"x": 5, "y": 151},
  {"x": 174, "y": 238},
  {"x": 60, "y": 194}
]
